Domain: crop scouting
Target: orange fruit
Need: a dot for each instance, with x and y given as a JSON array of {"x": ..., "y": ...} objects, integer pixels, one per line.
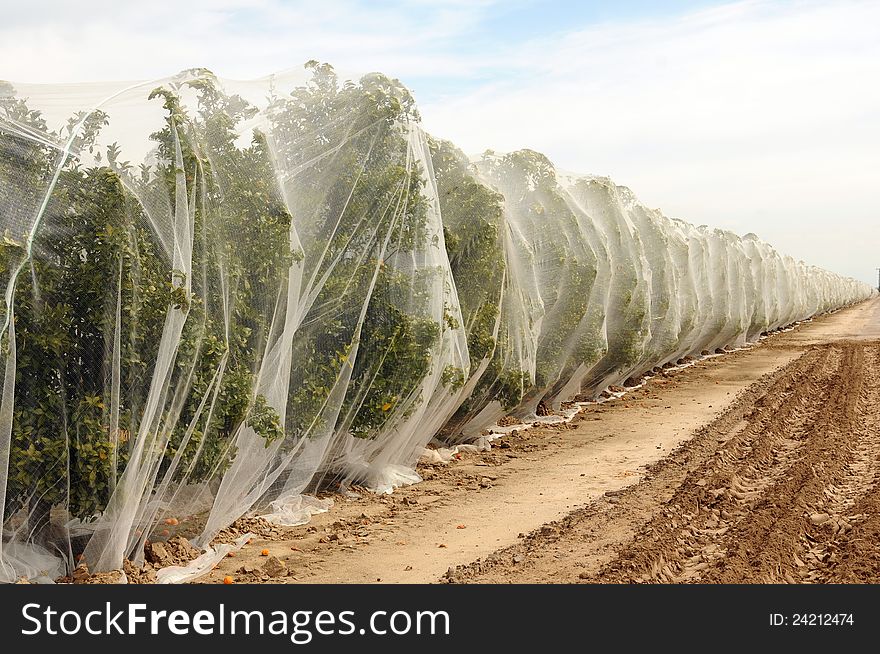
[
  {"x": 228, "y": 580},
  {"x": 264, "y": 553}
]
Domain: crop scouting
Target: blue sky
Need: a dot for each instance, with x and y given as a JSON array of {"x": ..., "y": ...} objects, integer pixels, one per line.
[
  {"x": 752, "y": 115},
  {"x": 499, "y": 25}
]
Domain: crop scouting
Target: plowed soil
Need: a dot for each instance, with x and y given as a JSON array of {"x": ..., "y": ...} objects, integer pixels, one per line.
[{"x": 756, "y": 466}]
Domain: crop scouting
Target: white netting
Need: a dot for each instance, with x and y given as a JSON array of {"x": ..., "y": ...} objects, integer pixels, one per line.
[{"x": 221, "y": 295}]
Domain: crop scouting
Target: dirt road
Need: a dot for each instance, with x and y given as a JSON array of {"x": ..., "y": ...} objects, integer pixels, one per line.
[{"x": 758, "y": 465}]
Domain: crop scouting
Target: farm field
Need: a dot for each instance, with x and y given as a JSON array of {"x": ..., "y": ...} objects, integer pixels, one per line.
[
  {"x": 437, "y": 325},
  {"x": 223, "y": 298},
  {"x": 756, "y": 466}
]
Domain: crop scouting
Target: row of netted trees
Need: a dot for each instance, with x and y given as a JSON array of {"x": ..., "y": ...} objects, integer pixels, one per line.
[{"x": 218, "y": 294}]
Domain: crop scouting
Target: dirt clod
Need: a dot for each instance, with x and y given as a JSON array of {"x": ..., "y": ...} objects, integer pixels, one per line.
[{"x": 274, "y": 567}]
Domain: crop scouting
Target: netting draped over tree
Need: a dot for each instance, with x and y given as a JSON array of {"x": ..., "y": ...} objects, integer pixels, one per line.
[{"x": 221, "y": 295}]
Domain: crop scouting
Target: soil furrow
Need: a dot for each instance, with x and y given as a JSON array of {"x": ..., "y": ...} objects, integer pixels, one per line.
[{"x": 782, "y": 487}]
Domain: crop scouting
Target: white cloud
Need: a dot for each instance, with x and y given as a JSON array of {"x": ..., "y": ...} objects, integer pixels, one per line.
[
  {"x": 758, "y": 116},
  {"x": 58, "y": 41}
]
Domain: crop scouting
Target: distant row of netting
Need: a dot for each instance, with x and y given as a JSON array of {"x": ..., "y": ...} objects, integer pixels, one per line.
[
  {"x": 567, "y": 284},
  {"x": 219, "y": 295}
]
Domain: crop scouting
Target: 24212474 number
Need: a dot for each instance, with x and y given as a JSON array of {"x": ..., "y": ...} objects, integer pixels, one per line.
[{"x": 811, "y": 619}]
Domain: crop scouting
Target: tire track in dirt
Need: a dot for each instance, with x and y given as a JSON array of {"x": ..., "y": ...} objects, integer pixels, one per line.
[
  {"x": 780, "y": 488},
  {"x": 784, "y": 520},
  {"x": 717, "y": 498},
  {"x": 851, "y": 499},
  {"x": 598, "y": 530}
]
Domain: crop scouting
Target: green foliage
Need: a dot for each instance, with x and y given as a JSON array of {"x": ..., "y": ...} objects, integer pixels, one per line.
[
  {"x": 472, "y": 227},
  {"x": 240, "y": 257},
  {"x": 472, "y": 220},
  {"x": 61, "y": 433},
  {"x": 95, "y": 248},
  {"x": 566, "y": 265},
  {"x": 363, "y": 213},
  {"x": 627, "y": 306}
]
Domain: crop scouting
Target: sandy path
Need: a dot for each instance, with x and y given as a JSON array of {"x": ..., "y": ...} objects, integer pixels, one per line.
[{"x": 564, "y": 503}]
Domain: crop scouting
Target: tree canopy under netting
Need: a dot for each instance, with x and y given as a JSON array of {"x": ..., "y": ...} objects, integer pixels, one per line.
[{"x": 221, "y": 295}]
